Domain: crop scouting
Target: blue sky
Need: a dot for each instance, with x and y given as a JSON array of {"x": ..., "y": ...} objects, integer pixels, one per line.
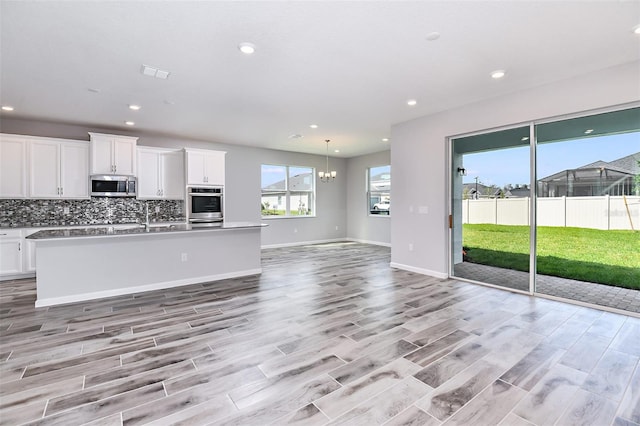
[{"x": 512, "y": 165}]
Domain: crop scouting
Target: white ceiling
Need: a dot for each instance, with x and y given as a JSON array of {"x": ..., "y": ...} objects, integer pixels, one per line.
[{"x": 348, "y": 67}]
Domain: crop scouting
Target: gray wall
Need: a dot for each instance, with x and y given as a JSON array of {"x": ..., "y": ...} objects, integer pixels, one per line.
[
  {"x": 242, "y": 183},
  {"x": 419, "y": 155},
  {"x": 360, "y": 225}
]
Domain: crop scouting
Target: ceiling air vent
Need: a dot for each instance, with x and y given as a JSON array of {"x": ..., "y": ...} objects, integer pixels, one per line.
[{"x": 154, "y": 72}]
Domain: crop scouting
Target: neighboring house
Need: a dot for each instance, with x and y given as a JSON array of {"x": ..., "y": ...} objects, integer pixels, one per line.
[
  {"x": 599, "y": 178},
  {"x": 475, "y": 191},
  {"x": 380, "y": 190},
  {"x": 274, "y": 195}
]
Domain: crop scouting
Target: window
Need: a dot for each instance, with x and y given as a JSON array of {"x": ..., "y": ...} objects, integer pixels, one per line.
[
  {"x": 379, "y": 190},
  {"x": 287, "y": 191}
]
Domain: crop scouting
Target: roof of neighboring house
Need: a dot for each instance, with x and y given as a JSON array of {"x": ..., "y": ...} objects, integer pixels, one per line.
[
  {"x": 626, "y": 165},
  {"x": 298, "y": 182},
  {"x": 381, "y": 181}
]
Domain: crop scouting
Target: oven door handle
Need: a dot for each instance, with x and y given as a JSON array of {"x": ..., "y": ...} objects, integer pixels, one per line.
[{"x": 198, "y": 194}]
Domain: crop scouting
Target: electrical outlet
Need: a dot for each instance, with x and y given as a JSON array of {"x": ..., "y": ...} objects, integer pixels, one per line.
[
  {"x": 184, "y": 257},
  {"x": 337, "y": 227},
  {"x": 157, "y": 209},
  {"x": 295, "y": 230},
  {"x": 410, "y": 246},
  {"x": 65, "y": 210}
]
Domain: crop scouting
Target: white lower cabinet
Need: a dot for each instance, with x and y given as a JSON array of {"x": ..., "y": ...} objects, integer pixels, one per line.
[{"x": 11, "y": 252}]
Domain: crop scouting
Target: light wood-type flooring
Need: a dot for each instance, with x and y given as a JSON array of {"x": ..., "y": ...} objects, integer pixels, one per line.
[{"x": 328, "y": 334}]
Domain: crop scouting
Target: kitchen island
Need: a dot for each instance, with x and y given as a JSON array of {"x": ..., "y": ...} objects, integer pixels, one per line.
[{"x": 91, "y": 263}]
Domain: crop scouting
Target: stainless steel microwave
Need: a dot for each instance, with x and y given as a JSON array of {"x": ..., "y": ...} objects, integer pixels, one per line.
[{"x": 113, "y": 186}]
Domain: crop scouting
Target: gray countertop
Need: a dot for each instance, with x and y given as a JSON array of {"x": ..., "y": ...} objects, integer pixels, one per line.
[{"x": 111, "y": 231}]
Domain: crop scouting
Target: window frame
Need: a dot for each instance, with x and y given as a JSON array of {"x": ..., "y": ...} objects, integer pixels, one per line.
[
  {"x": 288, "y": 193},
  {"x": 370, "y": 192}
]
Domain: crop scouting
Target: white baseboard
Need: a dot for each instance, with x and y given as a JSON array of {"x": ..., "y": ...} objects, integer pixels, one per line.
[
  {"x": 419, "y": 270},
  {"x": 140, "y": 289},
  {"x": 304, "y": 243},
  {"x": 19, "y": 276},
  {"x": 376, "y": 243}
]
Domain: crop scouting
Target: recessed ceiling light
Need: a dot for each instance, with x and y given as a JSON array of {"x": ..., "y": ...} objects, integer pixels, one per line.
[
  {"x": 385, "y": 139},
  {"x": 129, "y": 123},
  {"x": 7, "y": 108},
  {"x": 247, "y": 48},
  {"x": 588, "y": 131},
  {"x": 336, "y": 150},
  {"x": 295, "y": 136},
  {"x": 636, "y": 29},
  {"x": 313, "y": 126},
  {"x": 412, "y": 102},
  {"x": 497, "y": 74},
  {"x": 433, "y": 36},
  {"x": 134, "y": 107}
]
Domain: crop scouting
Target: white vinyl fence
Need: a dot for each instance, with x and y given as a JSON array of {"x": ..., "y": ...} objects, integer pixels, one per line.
[{"x": 603, "y": 212}]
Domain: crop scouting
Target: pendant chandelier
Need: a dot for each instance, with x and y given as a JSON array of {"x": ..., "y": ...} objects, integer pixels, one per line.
[{"x": 327, "y": 175}]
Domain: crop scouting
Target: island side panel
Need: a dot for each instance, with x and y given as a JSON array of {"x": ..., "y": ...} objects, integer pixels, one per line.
[{"x": 91, "y": 268}]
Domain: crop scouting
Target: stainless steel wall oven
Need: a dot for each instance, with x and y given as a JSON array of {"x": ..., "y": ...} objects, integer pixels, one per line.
[{"x": 205, "y": 204}]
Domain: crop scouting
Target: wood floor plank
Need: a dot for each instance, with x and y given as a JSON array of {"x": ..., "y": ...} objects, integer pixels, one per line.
[
  {"x": 611, "y": 375},
  {"x": 386, "y": 405},
  {"x": 549, "y": 398},
  {"x": 342, "y": 400}
]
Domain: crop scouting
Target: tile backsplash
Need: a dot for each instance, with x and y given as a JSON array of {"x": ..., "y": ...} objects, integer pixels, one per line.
[{"x": 19, "y": 213}]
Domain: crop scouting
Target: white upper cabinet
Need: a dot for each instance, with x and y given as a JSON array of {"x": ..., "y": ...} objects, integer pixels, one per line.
[
  {"x": 160, "y": 173},
  {"x": 13, "y": 166},
  {"x": 112, "y": 154},
  {"x": 205, "y": 167},
  {"x": 58, "y": 169}
]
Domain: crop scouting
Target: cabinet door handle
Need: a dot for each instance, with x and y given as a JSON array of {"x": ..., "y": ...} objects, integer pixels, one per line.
[
  {"x": 61, "y": 191},
  {"x": 19, "y": 246}
]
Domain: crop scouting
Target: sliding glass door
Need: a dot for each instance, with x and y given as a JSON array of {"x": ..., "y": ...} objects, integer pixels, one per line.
[
  {"x": 576, "y": 232},
  {"x": 588, "y": 207},
  {"x": 490, "y": 208}
]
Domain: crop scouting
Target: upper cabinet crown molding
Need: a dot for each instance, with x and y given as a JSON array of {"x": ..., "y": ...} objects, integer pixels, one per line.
[{"x": 112, "y": 154}]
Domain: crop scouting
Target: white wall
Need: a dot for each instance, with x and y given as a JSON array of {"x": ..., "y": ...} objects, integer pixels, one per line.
[
  {"x": 419, "y": 155},
  {"x": 361, "y": 226},
  {"x": 242, "y": 188}
]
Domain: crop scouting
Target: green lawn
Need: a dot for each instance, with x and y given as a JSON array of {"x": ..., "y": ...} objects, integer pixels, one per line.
[{"x": 607, "y": 257}]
